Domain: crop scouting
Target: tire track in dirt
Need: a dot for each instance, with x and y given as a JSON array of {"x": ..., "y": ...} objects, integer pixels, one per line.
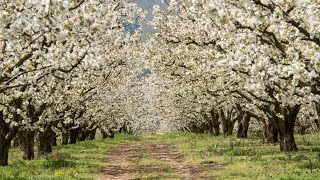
[{"x": 124, "y": 160}]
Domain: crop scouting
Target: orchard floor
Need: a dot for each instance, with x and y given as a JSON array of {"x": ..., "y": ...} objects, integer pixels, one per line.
[{"x": 171, "y": 156}]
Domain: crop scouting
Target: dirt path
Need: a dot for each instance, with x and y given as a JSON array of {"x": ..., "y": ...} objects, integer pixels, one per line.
[{"x": 152, "y": 160}]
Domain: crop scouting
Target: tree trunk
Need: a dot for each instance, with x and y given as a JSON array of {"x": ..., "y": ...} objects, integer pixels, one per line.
[
  {"x": 54, "y": 139},
  {"x": 28, "y": 145},
  {"x": 286, "y": 137},
  {"x": 17, "y": 141},
  {"x": 246, "y": 126},
  {"x": 83, "y": 135},
  {"x": 286, "y": 128},
  {"x": 46, "y": 140},
  {"x": 243, "y": 127},
  {"x": 225, "y": 124},
  {"x": 207, "y": 124},
  {"x": 316, "y": 121},
  {"x": 111, "y": 134},
  {"x": 104, "y": 133},
  {"x": 73, "y": 135},
  {"x": 5, "y": 143},
  {"x": 271, "y": 133},
  {"x": 287, "y": 142},
  {"x": 7, "y": 134},
  {"x": 4, "y": 151},
  {"x": 240, "y": 129},
  {"x": 230, "y": 129},
  {"x": 124, "y": 128},
  {"x": 65, "y": 138},
  {"x": 216, "y": 130},
  {"x": 215, "y": 122},
  {"x": 92, "y": 134},
  {"x": 45, "y": 143}
]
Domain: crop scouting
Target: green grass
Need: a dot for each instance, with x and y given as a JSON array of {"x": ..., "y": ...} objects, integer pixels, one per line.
[
  {"x": 162, "y": 170},
  {"x": 249, "y": 158},
  {"x": 241, "y": 159},
  {"x": 79, "y": 161}
]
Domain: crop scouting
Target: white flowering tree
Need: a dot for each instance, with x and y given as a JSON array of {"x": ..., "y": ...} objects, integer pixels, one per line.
[
  {"x": 262, "y": 56},
  {"x": 51, "y": 52}
]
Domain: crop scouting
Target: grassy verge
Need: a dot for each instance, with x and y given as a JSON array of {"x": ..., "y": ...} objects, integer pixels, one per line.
[
  {"x": 249, "y": 158},
  {"x": 79, "y": 161}
]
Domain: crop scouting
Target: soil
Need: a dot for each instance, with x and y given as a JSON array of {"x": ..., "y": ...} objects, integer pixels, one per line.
[{"x": 125, "y": 163}]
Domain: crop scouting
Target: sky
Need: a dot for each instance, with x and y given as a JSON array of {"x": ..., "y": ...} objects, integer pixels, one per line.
[{"x": 148, "y": 5}]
